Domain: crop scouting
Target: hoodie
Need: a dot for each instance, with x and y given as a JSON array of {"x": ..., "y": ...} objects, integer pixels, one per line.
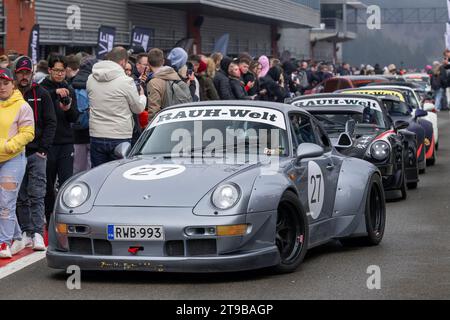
[
  {"x": 113, "y": 99},
  {"x": 156, "y": 89},
  {"x": 222, "y": 82},
  {"x": 16, "y": 126}
]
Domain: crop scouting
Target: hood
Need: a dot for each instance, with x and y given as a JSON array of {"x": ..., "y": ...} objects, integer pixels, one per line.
[
  {"x": 265, "y": 63},
  {"x": 106, "y": 71},
  {"x": 14, "y": 99},
  {"x": 167, "y": 73},
  {"x": 181, "y": 190},
  {"x": 80, "y": 80},
  {"x": 360, "y": 145}
]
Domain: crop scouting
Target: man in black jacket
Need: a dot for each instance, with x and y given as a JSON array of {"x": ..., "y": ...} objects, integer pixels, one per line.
[
  {"x": 222, "y": 82},
  {"x": 30, "y": 202},
  {"x": 60, "y": 156}
]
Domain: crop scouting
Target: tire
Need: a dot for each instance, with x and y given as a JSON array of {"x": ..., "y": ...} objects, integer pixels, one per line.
[
  {"x": 424, "y": 170},
  {"x": 375, "y": 216},
  {"x": 437, "y": 146},
  {"x": 292, "y": 233}
]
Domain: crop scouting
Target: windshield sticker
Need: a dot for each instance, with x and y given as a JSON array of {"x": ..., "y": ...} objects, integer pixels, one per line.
[
  {"x": 338, "y": 102},
  {"x": 379, "y": 93},
  {"x": 250, "y": 114}
]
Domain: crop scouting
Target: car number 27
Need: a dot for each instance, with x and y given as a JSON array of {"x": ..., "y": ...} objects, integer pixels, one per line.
[
  {"x": 146, "y": 233},
  {"x": 316, "y": 189}
]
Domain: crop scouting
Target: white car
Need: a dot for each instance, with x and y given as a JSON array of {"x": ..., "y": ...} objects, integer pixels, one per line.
[{"x": 415, "y": 102}]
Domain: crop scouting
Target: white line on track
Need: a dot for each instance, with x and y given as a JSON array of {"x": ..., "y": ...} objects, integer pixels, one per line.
[{"x": 20, "y": 264}]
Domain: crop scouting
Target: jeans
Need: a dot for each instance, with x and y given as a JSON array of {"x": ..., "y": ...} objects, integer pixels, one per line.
[
  {"x": 30, "y": 204},
  {"x": 102, "y": 150},
  {"x": 11, "y": 175},
  {"x": 82, "y": 158},
  {"x": 439, "y": 94},
  {"x": 59, "y": 166}
]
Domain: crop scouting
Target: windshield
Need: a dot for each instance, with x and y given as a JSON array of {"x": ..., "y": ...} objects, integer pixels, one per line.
[
  {"x": 397, "y": 108},
  {"x": 411, "y": 99},
  {"x": 184, "y": 137},
  {"x": 335, "y": 122}
]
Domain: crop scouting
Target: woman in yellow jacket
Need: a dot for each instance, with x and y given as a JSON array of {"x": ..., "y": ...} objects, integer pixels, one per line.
[{"x": 16, "y": 131}]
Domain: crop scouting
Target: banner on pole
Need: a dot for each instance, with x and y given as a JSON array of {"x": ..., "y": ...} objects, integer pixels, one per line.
[{"x": 105, "y": 44}]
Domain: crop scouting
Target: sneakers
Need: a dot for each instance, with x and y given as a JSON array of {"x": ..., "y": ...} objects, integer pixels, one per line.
[
  {"x": 38, "y": 243},
  {"x": 5, "y": 251},
  {"x": 17, "y": 246},
  {"x": 27, "y": 240}
]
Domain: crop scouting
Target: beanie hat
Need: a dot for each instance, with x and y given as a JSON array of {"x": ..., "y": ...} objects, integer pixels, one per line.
[{"x": 178, "y": 57}]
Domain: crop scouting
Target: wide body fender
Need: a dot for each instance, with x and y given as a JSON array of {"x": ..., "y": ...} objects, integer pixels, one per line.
[{"x": 351, "y": 196}]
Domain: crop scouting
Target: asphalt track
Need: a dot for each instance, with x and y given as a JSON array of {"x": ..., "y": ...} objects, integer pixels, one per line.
[{"x": 414, "y": 260}]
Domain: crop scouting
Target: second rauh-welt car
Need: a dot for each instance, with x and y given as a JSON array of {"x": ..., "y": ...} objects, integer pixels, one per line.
[
  {"x": 373, "y": 137},
  {"x": 395, "y": 103},
  {"x": 215, "y": 187}
]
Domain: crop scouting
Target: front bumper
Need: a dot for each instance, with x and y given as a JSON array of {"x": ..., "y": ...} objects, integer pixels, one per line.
[
  {"x": 232, "y": 263},
  {"x": 391, "y": 180},
  {"x": 178, "y": 252}
]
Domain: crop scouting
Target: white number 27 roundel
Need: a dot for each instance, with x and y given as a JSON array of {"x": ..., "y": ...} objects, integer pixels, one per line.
[
  {"x": 153, "y": 172},
  {"x": 316, "y": 189}
]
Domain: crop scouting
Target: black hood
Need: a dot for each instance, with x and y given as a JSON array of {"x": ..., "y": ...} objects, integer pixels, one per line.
[
  {"x": 225, "y": 64},
  {"x": 80, "y": 80}
]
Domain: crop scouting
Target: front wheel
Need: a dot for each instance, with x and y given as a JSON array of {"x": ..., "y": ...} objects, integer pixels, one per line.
[
  {"x": 375, "y": 215},
  {"x": 432, "y": 160},
  {"x": 292, "y": 233}
]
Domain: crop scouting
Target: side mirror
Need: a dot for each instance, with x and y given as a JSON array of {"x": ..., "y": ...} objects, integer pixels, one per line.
[
  {"x": 400, "y": 125},
  {"x": 345, "y": 141},
  {"x": 421, "y": 113},
  {"x": 122, "y": 150},
  {"x": 350, "y": 127},
  {"x": 309, "y": 150}
]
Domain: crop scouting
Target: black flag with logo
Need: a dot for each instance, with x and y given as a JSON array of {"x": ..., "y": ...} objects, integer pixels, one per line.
[
  {"x": 106, "y": 36},
  {"x": 142, "y": 37},
  {"x": 33, "y": 44}
]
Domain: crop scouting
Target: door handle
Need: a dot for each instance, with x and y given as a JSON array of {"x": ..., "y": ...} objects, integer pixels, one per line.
[{"x": 330, "y": 166}]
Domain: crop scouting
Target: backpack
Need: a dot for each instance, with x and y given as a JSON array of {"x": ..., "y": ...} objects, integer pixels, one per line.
[
  {"x": 83, "y": 109},
  {"x": 177, "y": 92}
]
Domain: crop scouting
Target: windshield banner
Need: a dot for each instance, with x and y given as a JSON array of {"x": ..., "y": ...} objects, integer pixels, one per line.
[{"x": 250, "y": 114}]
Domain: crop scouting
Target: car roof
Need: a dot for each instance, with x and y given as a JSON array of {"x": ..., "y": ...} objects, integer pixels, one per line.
[
  {"x": 335, "y": 95},
  {"x": 396, "y": 83},
  {"x": 374, "y": 88},
  {"x": 351, "y": 78},
  {"x": 330, "y": 107},
  {"x": 392, "y": 86}
]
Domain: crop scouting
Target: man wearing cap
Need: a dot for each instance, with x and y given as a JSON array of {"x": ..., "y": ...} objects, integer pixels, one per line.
[{"x": 30, "y": 202}]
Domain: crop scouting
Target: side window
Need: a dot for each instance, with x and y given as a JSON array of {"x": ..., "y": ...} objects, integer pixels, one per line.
[
  {"x": 324, "y": 141},
  {"x": 302, "y": 129}
]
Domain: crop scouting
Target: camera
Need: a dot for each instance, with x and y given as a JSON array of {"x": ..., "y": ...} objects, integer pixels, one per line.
[{"x": 65, "y": 101}]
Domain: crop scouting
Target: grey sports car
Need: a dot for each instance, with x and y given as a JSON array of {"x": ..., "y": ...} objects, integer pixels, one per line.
[{"x": 217, "y": 187}]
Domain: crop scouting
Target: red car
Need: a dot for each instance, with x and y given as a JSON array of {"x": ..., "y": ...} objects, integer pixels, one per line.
[{"x": 346, "y": 82}]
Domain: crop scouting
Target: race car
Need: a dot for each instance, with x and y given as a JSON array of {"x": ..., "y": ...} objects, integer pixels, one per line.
[
  {"x": 408, "y": 89},
  {"x": 217, "y": 187},
  {"x": 395, "y": 103},
  {"x": 373, "y": 137},
  {"x": 422, "y": 79}
]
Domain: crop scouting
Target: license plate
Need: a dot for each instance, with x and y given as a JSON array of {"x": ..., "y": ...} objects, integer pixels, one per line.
[{"x": 143, "y": 233}]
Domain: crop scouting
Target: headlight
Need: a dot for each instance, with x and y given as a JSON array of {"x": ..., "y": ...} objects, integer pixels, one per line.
[
  {"x": 226, "y": 196},
  {"x": 380, "y": 150},
  {"x": 76, "y": 195}
]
